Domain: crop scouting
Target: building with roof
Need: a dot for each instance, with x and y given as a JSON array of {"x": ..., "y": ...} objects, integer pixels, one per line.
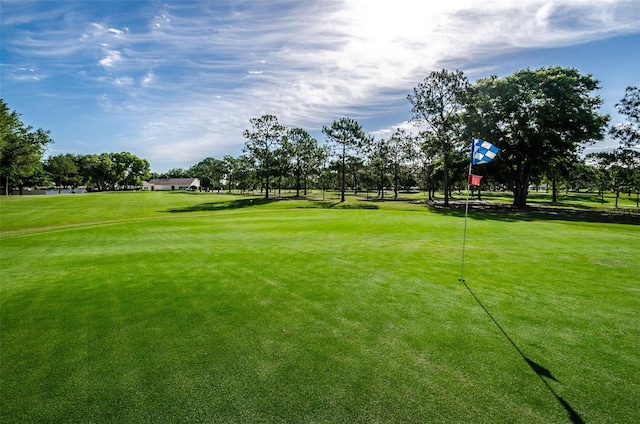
[{"x": 169, "y": 184}]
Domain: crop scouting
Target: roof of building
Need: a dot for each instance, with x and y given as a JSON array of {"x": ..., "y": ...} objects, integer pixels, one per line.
[{"x": 174, "y": 181}]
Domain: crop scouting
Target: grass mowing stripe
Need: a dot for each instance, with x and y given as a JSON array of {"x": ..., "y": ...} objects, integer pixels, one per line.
[{"x": 317, "y": 316}]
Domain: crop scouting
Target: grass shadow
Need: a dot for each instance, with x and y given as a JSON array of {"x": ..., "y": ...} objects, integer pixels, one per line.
[
  {"x": 505, "y": 212},
  {"x": 542, "y": 372},
  {"x": 223, "y": 205}
]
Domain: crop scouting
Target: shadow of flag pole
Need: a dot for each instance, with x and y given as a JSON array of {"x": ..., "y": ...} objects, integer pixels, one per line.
[{"x": 484, "y": 152}]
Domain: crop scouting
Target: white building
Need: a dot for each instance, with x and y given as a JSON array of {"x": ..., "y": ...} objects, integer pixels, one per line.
[{"x": 169, "y": 184}]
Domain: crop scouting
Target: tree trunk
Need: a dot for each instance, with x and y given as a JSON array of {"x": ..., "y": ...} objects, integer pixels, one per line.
[
  {"x": 342, "y": 183},
  {"x": 266, "y": 191},
  {"x": 554, "y": 186},
  {"x": 520, "y": 195},
  {"x": 521, "y": 190},
  {"x": 445, "y": 168}
]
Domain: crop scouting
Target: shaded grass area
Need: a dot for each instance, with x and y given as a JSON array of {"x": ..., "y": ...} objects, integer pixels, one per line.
[{"x": 286, "y": 313}]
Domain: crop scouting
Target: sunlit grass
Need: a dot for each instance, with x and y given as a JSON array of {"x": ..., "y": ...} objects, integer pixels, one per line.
[{"x": 176, "y": 307}]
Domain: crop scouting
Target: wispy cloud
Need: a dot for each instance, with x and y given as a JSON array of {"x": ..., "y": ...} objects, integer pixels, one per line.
[{"x": 192, "y": 74}]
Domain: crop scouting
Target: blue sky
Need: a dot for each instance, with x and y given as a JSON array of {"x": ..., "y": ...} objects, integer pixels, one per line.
[{"x": 177, "y": 81}]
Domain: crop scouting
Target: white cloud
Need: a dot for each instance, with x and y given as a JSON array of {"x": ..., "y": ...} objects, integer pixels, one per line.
[
  {"x": 111, "y": 59},
  {"x": 196, "y": 72},
  {"x": 148, "y": 79},
  {"x": 123, "y": 81}
]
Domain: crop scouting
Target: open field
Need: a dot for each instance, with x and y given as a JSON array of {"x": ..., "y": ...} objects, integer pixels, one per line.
[{"x": 180, "y": 307}]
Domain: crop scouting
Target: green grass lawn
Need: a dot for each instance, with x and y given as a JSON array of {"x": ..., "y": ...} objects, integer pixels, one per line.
[{"x": 177, "y": 307}]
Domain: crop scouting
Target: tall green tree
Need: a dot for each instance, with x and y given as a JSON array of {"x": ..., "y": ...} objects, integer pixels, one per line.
[
  {"x": 21, "y": 150},
  {"x": 628, "y": 133},
  {"x": 347, "y": 136},
  {"x": 232, "y": 165},
  {"x": 537, "y": 118},
  {"x": 304, "y": 154},
  {"x": 438, "y": 103},
  {"x": 263, "y": 139},
  {"x": 400, "y": 152},
  {"x": 95, "y": 170},
  {"x": 63, "y": 170},
  {"x": 128, "y": 170},
  {"x": 211, "y": 172},
  {"x": 378, "y": 162}
]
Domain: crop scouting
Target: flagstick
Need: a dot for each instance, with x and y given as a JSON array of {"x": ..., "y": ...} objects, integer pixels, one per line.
[{"x": 466, "y": 213}]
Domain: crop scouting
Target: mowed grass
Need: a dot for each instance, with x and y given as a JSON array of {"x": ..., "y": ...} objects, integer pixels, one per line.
[{"x": 176, "y": 307}]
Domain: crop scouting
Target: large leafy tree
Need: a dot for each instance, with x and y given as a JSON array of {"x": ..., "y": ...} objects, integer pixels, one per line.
[
  {"x": 347, "y": 136},
  {"x": 538, "y": 118},
  {"x": 263, "y": 140},
  {"x": 211, "y": 172},
  {"x": 63, "y": 170},
  {"x": 108, "y": 171},
  {"x": 21, "y": 149},
  {"x": 128, "y": 169},
  {"x": 628, "y": 133},
  {"x": 438, "y": 104}
]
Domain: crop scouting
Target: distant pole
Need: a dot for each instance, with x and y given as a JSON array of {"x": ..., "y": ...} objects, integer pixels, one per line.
[{"x": 466, "y": 214}]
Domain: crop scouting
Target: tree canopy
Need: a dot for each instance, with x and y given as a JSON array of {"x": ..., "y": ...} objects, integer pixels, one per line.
[
  {"x": 263, "y": 140},
  {"x": 540, "y": 119},
  {"x": 628, "y": 133},
  {"x": 536, "y": 117},
  {"x": 21, "y": 150},
  {"x": 346, "y": 134},
  {"x": 438, "y": 103}
]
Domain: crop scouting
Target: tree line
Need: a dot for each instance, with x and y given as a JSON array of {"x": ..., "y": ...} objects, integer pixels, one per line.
[
  {"x": 540, "y": 119},
  {"x": 21, "y": 164}
]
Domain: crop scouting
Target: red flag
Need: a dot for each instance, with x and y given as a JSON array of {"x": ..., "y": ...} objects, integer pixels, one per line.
[{"x": 474, "y": 179}]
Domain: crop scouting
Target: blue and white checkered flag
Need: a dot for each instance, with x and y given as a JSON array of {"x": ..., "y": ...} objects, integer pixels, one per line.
[{"x": 482, "y": 152}]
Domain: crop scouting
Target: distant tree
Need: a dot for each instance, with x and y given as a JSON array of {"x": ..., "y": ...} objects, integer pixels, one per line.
[
  {"x": 176, "y": 173},
  {"x": 582, "y": 176},
  {"x": 400, "y": 152},
  {"x": 379, "y": 162},
  {"x": 611, "y": 172},
  {"x": 346, "y": 135},
  {"x": 245, "y": 173},
  {"x": 231, "y": 165},
  {"x": 263, "y": 139},
  {"x": 210, "y": 171},
  {"x": 426, "y": 162},
  {"x": 109, "y": 171},
  {"x": 21, "y": 150},
  {"x": 537, "y": 118},
  {"x": 95, "y": 170},
  {"x": 63, "y": 170},
  {"x": 304, "y": 156},
  {"x": 128, "y": 170},
  {"x": 619, "y": 169},
  {"x": 438, "y": 103},
  {"x": 628, "y": 133},
  {"x": 559, "y": 170},
  {"x": 356, "y": 172}
]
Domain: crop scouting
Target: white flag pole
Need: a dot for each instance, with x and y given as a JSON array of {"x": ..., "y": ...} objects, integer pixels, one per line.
[{"x": 466, "y": 213}]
